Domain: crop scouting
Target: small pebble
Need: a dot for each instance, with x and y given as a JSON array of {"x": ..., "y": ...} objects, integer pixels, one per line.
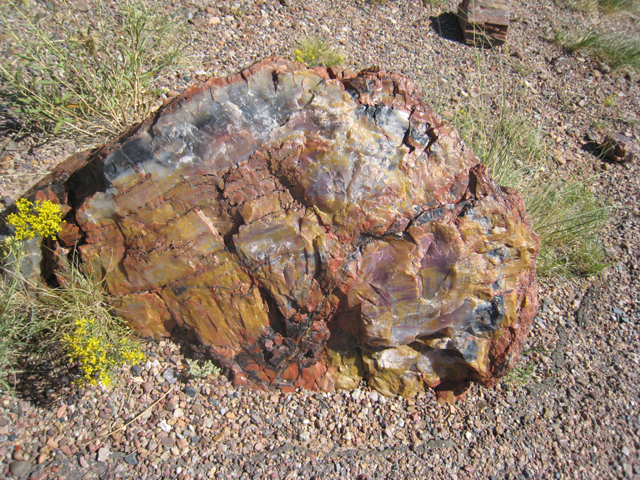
[
  {"x": 170, "y": 375},
  {"x": 103, "y": 454},
  {"x": 19, "y": 468},
  {"x": 24, "y": 406},
  {"x": 162, "y": 425}
]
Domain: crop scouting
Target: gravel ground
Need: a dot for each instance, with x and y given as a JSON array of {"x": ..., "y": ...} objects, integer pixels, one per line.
[{"x": 571, "y": 411}]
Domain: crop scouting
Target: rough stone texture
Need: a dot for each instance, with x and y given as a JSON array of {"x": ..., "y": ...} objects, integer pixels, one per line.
[
  {"x": 309, "y": 228},
  {"x": 484, "y": 23},
  {"x": 619, "y": 148}
]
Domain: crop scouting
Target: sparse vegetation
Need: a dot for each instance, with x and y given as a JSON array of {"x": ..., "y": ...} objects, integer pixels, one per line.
[
  {"x": 613, "y": 6},
  {"x": 434, "y": 3},
  {"x": 314, "y": 51},
  {"x": 99, "y": 347},
  {"x": 527, "y": 370},
  {"x": 203, "y": 368},
  {"x": 605, "y": 6},
  {"x": 566, "y": 216},
  {"x": 73, "y": 319},
  {"x": 569, "y": 220},
  {"x": 616, "y": 50},
  {"x": 97, "y": 76},
  {"x": 20, "y": 329},
  {"x": 521, "y": 375}
]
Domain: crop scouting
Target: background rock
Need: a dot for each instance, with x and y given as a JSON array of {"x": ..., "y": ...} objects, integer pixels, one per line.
[{"x": 484, "y": 23}]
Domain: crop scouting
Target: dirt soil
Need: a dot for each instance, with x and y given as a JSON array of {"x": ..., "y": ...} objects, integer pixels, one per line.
[{"x": 570, "y": 411}]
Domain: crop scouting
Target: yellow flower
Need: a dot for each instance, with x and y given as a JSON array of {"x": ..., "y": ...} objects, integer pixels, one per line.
[
  {"x": 42, "y": 219},
  {"x": 97, "y": 355}
]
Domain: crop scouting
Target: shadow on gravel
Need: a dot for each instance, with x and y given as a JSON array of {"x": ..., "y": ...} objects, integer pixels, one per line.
[
  {"x": 592, "y": 148},
  {"x": 446, "y": 25},
  {"x": 45, "y": 378},
  {"x": 190, "y": 348}
]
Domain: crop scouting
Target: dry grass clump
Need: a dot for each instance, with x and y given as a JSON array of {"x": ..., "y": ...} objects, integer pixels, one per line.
[
  {"x": 73, "y": 319},
  {"x": 566, "y": 216},
  {"x": 605, "y": 6},
  {"x": 434, "y": 3},
  {"x": 614, "y": 6},
  {"x": 617, "y": 50},
  {"x": 94, "y": 73},
  {"x": 315, "y": 51}
]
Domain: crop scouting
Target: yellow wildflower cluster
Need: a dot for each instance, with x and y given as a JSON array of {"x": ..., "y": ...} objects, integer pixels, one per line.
[
  {"x": 314, "y": 51},
  {"x": 97, "y": 354},
  {"x": 42, "y": 219},
  {"x": 310, "y": 55}
]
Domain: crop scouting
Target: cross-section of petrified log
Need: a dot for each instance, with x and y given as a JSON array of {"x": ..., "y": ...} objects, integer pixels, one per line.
[
  {"x": 310, "y": 229},
  {"x": 484, "y": 23}
]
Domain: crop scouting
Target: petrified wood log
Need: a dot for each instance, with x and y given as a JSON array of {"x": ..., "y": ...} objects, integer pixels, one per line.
[
  {"x": 310, "y": 229},
  {"x": 484, "y": 23}
]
